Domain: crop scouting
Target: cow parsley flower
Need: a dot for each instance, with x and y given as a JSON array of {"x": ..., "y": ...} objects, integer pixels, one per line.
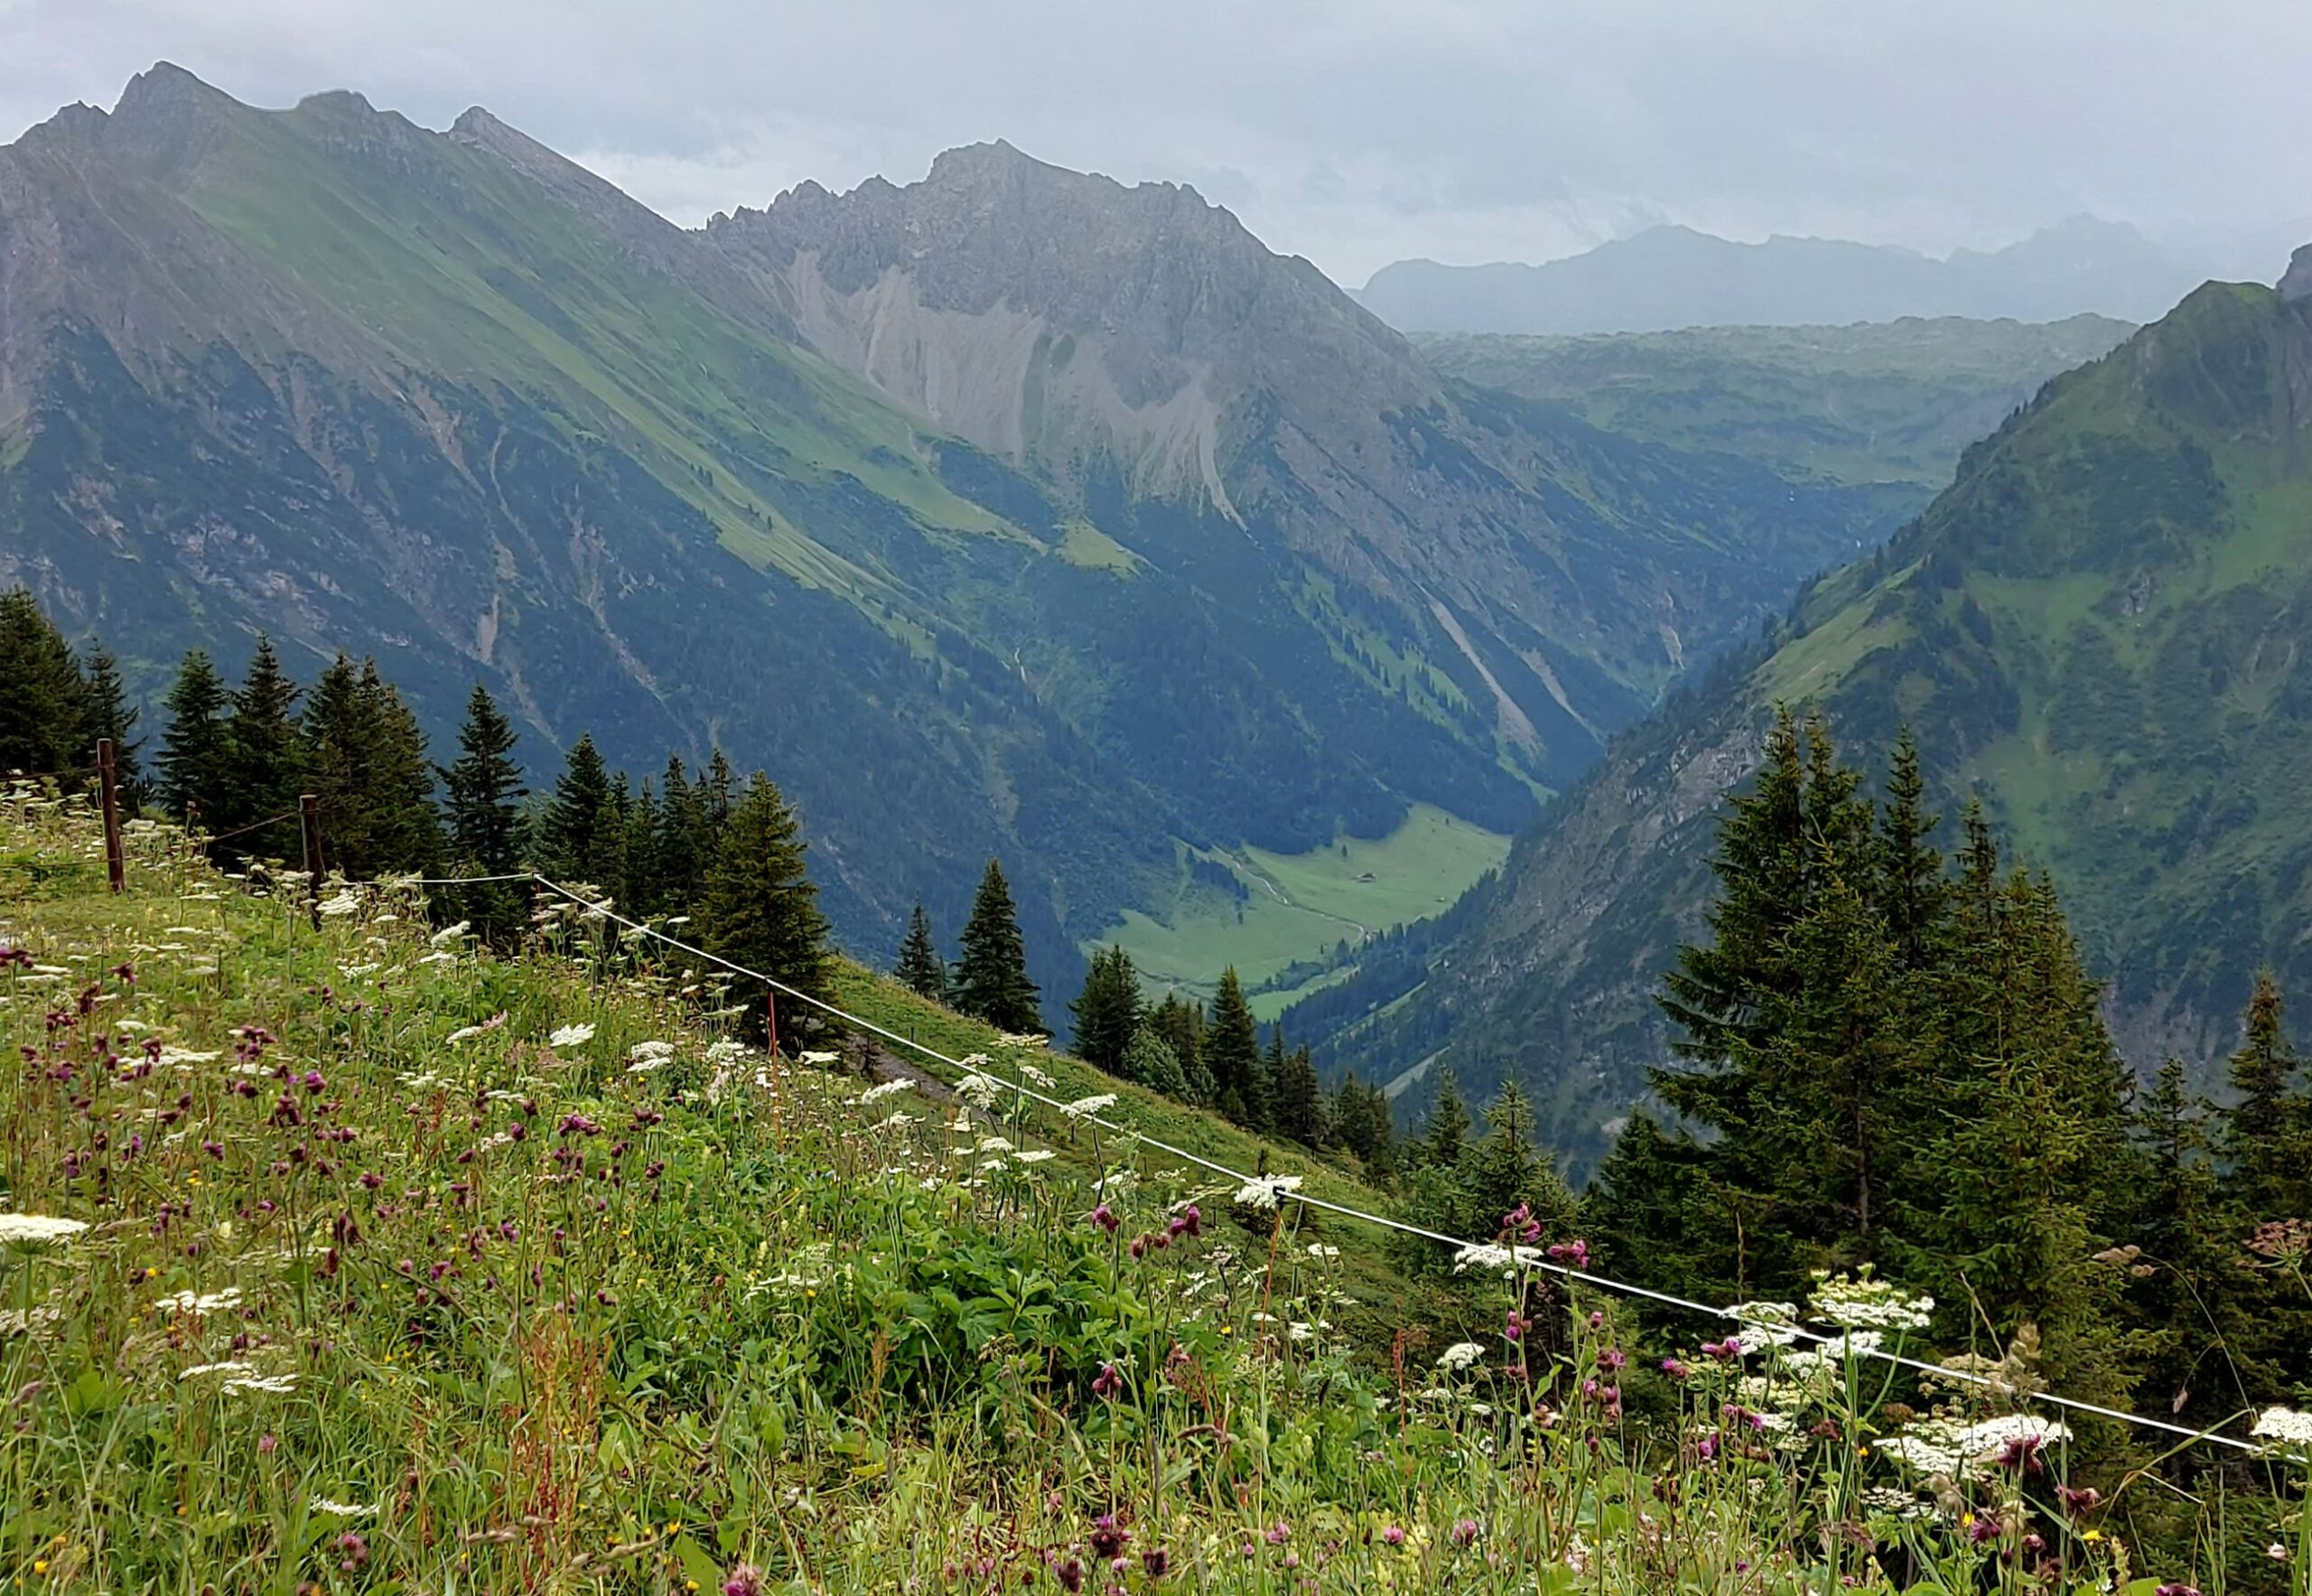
[
  {"x": 976, "y": 1091},
  {"x": 1263, "y": 1192},
  {"x": 2284, "y": 1430},
  {"x": 1858, "y": 1301},
  {"x": 187, "y": 1302},
  {"x": 340, "y": 1509},
  {"x": 1086, "y": 1107},
  {"x": 889, "y": 1089},
  {"x": 572, "y": 1036},
  {"x": 449, "y": 934},
  {"x": 1034, "y": 1155},
  {"x": 32, "y": 1232},
  {"x": 1461, "y": 1354}
]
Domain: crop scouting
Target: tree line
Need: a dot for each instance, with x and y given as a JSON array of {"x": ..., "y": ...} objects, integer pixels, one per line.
[
  {"x": 722, "y": 857},
  {"x": 1891, "y": 1058}
]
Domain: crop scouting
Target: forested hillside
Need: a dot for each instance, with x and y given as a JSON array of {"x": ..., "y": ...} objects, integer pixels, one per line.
[
  {"x": 2097, "y": 629},
  {"x": 1256, "y": 576}
]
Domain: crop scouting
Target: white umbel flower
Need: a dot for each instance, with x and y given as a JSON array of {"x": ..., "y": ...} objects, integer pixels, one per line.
[
  {"x": 2283, "y": 1429},
  {"x": 1086, "y": 1107},
  {"x": 28, "y": 1232},
  {"x": 1263, "y": 1192},
  {"x": 572, "y": 1036},
  {"x": 1461, "y": 1354}
]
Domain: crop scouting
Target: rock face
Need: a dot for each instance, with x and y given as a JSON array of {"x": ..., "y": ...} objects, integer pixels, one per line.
[
  {"x": 1088, "y": 331},
  {"x": 2096, "y": 629},
  {"x": 2297, "y": 283},
  {"x": 1011, "y": 512}
]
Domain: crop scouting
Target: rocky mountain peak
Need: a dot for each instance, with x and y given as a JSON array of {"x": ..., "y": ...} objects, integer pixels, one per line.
[{"x": 2296, "y": 282}]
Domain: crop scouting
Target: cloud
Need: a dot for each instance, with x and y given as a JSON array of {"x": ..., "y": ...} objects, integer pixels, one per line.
[{"x": 1353, "y": 131}]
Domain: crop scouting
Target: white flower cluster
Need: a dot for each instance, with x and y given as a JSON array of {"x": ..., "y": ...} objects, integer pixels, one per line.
[
  {"x": 976, "y": 1091},
  {"x": 2284, "y": 1430},
  {"x": 647, "y": 1056},
  {"x": 1492, "y": 1256},
  {"x": 187, "y": 1302},
  {"x": 1263, "y": 1192},
  {"x": 449, "y": 934},
  {"x": 27, "y": 1231},
  {"x": 1460, "y": 1355},
  {"x": 1086, "y": 1107},
  {"x": 1946, "y": 1446},
  {"x": 889, "y": 1089},
  {"x": 572, "y": 1036},
  {"x": 1860, "y": 1303}
]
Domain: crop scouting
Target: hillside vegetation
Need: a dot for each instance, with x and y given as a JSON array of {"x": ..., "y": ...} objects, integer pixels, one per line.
[
  {"x": 345, "y": 1256},
  {"x": 1889, "y": 403},
  {"x": 2094, "y": 630}
]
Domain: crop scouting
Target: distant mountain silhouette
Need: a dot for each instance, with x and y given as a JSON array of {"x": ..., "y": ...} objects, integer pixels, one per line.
[{"x": 1672, "y": 276}]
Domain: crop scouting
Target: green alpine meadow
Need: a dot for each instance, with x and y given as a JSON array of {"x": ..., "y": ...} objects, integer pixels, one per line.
[{"x": 791, "y": 824}]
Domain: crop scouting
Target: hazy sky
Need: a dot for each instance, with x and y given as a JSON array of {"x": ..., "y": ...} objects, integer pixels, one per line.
[{"x": 1352, "y": 131}]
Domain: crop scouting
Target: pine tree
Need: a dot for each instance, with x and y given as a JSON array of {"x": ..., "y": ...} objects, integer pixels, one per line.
[
  {"x": 42, "y": 698},
  {"x": 106, "y": 712},
  {"x": 1502, "y": 1169},
  {"x": 761, "y": 908},
  {"x": 1181, "y": 1025},
  {"x": 1149, "y": 1061},
  {"x": 921, "y": 968},
  {"x": 483, "y": 792},
  {"x": 1107, "y": 1015},
  {"x": 683, "y": 842},
  {"x": 1299, "y": 1103},
  {"x": 363, "y": 756},
  {"x": 992, "y": 976},
  {"x": 404, "y": 826},
  {"x": 195, "y": 756},
  {"x": 1362, "y": 1123},
  {"x": 581, "y": 819},
  {"x": 1445, "y": 1134},
  {"x": 268, "y": 768},
  {"x": 1912, "y": 894},
  {"x": 2257, "y": 1136},
  {"x": 646, "y": 887},
  {"x": 1232, "y": 1052}
]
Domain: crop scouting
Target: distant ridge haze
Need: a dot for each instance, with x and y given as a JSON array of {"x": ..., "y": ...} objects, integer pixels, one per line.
[{"x": 1668, "y": 277}]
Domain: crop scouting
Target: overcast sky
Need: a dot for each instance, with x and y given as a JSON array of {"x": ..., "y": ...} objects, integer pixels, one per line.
[{"x": 1355, "y": 132}]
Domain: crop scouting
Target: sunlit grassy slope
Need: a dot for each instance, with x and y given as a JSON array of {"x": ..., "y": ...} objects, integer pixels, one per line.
[{"x": 1301, "y": 907}]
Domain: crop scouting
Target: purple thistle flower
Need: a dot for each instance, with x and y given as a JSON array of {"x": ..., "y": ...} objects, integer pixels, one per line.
[
  {"x": 1107, "y": 1538},
  {"x": 746, "y": 1580},
  {"x": 1108, "y": 1384}
]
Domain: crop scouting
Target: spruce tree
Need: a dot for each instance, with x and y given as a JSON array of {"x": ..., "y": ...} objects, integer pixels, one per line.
[
  {"x": 921, "y": 968},
  {"x": 1912, "y": 894},
  {"x": 106, "y": 712},
  {"x": 1107, "y": 1013},
  {"x": 194, "y": 755},
  {"x": 42, "y": 698},
  {"x": 683, "y": 842},
  {"x": 1361, "y": 1123},
  {"x": 646, "y": 886},
  {"x": 1445, "y": 1134},
  {"x": 267, "y": 768},
  {"x": 1299, "y": 1108},
  {"x": 363, "y": 755},
  {"x": 761, "y": 907},
  {"x": 2257, "y": 1130},
  {"x": 1502, "y": 1169},
  {"x": 992, "y": 975},
  {"x": 483, "y": 792},
  {"x": 1232, "y": 1052},
  {"x": 580, "y": 821},
  {"x": 1181, "y": 1025},
  {"x": 1149, "y": 1061}
]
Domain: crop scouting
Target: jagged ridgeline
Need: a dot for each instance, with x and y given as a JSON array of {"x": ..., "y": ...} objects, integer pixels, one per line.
[
  {"x": 2099, "y": 628},
  {"x": 1014, "y": 512}
]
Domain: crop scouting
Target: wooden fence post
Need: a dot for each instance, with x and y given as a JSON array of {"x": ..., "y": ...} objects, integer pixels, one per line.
[
  {"x": 309, "y": 822},
  {"x": 116, "y": 866}
]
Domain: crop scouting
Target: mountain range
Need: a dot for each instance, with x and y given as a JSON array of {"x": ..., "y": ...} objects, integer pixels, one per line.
[
  {"x": 1012, "y": 511},
  {"x": 2099, "y": 630},
  {"x": 1666, "y": 277}
]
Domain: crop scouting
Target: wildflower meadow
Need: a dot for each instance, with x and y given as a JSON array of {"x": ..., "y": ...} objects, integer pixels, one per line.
[{"x": 340, "y": 1254}]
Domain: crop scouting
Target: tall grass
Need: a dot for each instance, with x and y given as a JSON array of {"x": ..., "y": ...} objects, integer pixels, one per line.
[{"x": 410, "y": 1268}]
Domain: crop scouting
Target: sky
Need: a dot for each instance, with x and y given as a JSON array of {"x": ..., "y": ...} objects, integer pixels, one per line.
[{"x": 1354, "y": 132}]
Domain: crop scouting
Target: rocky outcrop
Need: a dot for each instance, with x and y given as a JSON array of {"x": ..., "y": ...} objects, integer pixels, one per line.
[{"x": 2297, "y": 283}]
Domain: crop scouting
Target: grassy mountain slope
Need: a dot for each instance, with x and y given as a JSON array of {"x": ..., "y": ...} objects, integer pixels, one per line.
[
  {"x": 2098, "y": 627},
  {"x": 1889, "y": 402},
  {"x": 447, "y": 398}
]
